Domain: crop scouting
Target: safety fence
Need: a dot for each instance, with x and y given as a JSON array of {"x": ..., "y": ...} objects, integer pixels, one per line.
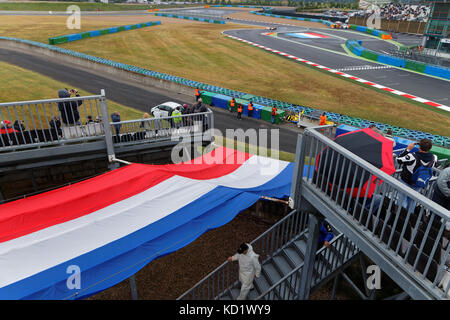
[
  {"x": 97, "y": 33},
  {"x": 404, "y": 225},
  {"x": 46, "y": 123},
  {"x": 356, "y": 48},
  {"x": 40, "y": 123},
  {"x": 286, "y": 106},
  {"x": 169, "y": 15},
  {"x": 155, "y": 129}
]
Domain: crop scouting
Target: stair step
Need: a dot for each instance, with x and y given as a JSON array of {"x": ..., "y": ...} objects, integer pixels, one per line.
[
  {"x": 234, "y": 292},
  {"x": 271, "y": 273},
  {"x": 293, "y": 255},
  {"x": 261, "y": 284},
  {"x": 301, "y": 245},
  {"x": 283, "y": 265}
]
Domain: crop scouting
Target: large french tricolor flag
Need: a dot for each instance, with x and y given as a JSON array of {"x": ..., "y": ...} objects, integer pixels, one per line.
[{"x": 111, "y": 226}]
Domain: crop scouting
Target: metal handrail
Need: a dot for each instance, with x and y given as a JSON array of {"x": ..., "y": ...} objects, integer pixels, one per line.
[
  {"x": 299, "y": 267},
  {"x": 298, "y": 218},
  {"x": 390, "y": 230}
]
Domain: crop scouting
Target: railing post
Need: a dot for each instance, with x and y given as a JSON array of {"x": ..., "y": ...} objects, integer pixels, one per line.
[
  {"x": 294, "y": 199},
  {"x": 310, "y": 255},
  {"x": 108, "y": 135},
  {"x": 134, "y": 294}
]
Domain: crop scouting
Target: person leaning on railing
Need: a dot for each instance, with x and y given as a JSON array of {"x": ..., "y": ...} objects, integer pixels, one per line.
[
  {"x": 413, "y": 164},
  {"x": 69, "y": 109}
]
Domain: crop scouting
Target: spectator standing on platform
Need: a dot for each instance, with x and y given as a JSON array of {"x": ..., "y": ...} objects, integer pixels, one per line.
[
  {"x": 19, "y": 126},
  {"x": 250, "y": 109},
  {"x": 176, "y": 114},
  {"x": 249, "y": 268},
  {"x": 239, "y": 111},
  {"x": 390, "y": 136},
  {"x": 7, "y": 128},
  {"x": 69, "y": 109},
  {"x": 55, "y": 123},
  {"x": 89, "y": 120},
  {"x": 374, "y": 128},
  {"x": 416, "y": 167},
  {"x": 115, "y": 117},
  {"x": 441, "y": 193}
]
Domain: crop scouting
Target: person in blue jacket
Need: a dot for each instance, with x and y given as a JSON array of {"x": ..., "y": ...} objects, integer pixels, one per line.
[{"x": 326, "y": 234}]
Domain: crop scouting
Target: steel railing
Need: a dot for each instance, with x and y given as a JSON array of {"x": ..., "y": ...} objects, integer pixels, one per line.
[
  {"x": 43, "y": 123},
  {"x": 405, "y": 224},
  {"x": 39, "y": 123},
  {"x": 215, "y": 284},
  {"x": 327, "y": 261},
  {"x": 164, "y": 128}
]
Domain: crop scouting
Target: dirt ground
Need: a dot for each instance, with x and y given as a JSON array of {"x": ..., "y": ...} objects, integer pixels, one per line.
[{"x": 170, "y": 276}]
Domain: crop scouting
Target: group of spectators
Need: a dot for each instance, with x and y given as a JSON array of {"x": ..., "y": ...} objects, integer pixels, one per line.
[{"x": 399, "y": 11}]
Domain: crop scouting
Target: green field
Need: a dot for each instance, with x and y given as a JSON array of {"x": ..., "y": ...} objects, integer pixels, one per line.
[
  {"x": 25, "y": 85},
  {"x": 203, "y": 54}
]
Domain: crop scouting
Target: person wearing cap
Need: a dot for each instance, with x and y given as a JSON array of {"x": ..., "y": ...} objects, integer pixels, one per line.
[
  {"x": 69, "y": 109},
  {"x": 249, "y": 268}
]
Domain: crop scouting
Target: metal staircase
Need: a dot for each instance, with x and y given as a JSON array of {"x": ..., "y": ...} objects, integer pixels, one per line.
[
  {"x": 410, "y": 246},
  {"x": 283, "y": 250}
]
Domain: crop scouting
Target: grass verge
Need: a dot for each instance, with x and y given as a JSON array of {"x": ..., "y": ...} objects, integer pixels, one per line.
[
  {"x": 23, "y": 85},
  {"x": 200, "y": 53}
]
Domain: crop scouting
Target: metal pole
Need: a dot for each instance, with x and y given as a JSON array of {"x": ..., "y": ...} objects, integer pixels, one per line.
[
  {"x": 294, "y": 199},
  {"x": 310, "y": 255},
  {"x": 134, "y": 294},
  {"x": 108, "y": 136}
]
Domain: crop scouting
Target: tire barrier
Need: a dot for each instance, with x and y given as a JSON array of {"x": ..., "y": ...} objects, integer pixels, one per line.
[
  {"x": 168, "y": 15},
  {"x": 401, "y": 143},
  {"x": 355, "y": 46},
  {"x": 257, "y": 100},
  {"x": 96, "y": 33}
]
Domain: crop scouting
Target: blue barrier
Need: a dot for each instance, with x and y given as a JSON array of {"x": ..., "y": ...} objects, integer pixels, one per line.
[
  {"x": 437, "y": 71},
  {"x": 391, "y": 61},
  {"x": 257, "y": 110},
  {"x": 361, "y": 28},
  {"x": 95, "y": 33},
  {"x": 74, "y": 37},
  {"x": 220, "y": 100}
]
